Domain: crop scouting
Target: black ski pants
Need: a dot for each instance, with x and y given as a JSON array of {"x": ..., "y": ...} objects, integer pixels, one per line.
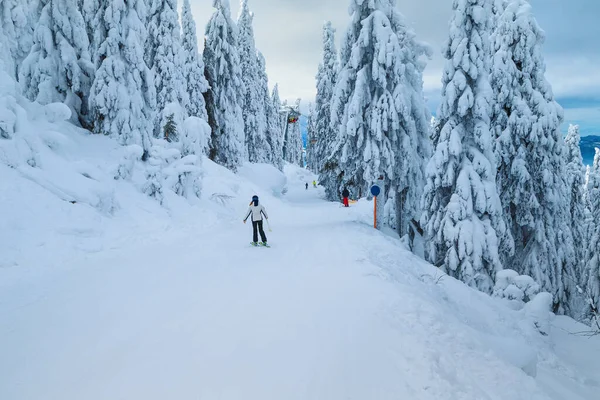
[{"x": 257, "y": 226}]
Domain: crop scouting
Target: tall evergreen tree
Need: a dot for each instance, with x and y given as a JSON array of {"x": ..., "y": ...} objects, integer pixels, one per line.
[
  {"x": 255, "y": 118},
  {"x": 380, "y": 110},
  {"x": 123, "y": 97},
  {"x": 193, "y": 66},
  {"x": 17, "y": 21},
  {"x": 276, "y": 120},
  {"x": 59, "y": 68},
  {"x": 462, "y": 212},
  {"x": 225, "y": 96},
  {"x": 575, "y": 177},
  {"x": 592, "y": 257},
  {"x": 531, "y": 160},
  {"x": 166, "y": 60},
  {"x": 278, "y": 105},
  {"x": 273, "y": 127},
  {"x": 311, "y": 140},
  {"x": 293, "y": 144},
  {"x": 326, "y": 78},
  {"x": 93, "y": 14}
]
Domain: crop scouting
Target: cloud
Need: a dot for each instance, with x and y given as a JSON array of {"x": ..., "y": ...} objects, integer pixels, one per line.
[{"x": 288, "y": 32}]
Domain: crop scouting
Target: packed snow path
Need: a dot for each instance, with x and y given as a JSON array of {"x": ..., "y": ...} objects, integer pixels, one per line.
[{"x": 334, "y": 310}]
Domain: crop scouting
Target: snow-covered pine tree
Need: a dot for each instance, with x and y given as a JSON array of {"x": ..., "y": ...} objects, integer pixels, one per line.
[
  {"x": 278, "y": 105},
  {"x": 166, "y": 60},
  {"x": 253, "y": 109},
  {"x": 530, "y": 155},
  {"x": 462, "y": 212},
  {"x": 434, "y": 131},
  {"x": 294, "y": 145},
  {"x": 380, "y": 110},
  {"x": 498, "y": 8},
  {"x": 59, "y": 68},
  {"x": 93, "y": 14},
  {"x": 326, "y": 78},
  {"x": 273, "y": 126},
  {"x": 277, "y": 121},
  {"x": 311, "y": 140},
  {"x": 17, "y": 21},
  {"x": 193, "y": 67},
  {"x": 592, "y": 256},
  {"x": 123, "y": 96},
  {"x": 225, "y": 96},
  {"x": 575, "y": 176},
  {"x": 7, "y": 62}
]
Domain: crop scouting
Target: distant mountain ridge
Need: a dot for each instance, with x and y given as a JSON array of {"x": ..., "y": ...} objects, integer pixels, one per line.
[{"x": 588, "y": 145}]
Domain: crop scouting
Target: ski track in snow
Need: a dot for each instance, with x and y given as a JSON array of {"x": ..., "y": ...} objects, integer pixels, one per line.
[{"x": 333, "y": 310}]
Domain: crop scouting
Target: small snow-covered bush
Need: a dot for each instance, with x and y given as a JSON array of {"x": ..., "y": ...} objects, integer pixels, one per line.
[
  {"x": 8, "y": 102},
  {"x": 195, "y": 136},
  {"x": 538, "y": 312},
  {"x": 8, "y": 119},
  {"x": 173, "y": 163},
  {"x": 131, "y": 154},
  {"x": 519, "y": 289},
  {"x": 168, "y": 170}
]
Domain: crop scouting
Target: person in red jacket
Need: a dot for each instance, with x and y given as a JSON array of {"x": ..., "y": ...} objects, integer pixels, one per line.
[{"x": 345, "y": 195}]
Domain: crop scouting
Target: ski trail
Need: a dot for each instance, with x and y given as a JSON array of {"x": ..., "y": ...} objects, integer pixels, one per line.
[
  {"x": 212, "y": 321},
  {"x": 331, "y": 311}
]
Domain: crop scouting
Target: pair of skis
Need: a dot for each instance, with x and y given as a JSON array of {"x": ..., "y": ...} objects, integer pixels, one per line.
[{"x": 259, "y": 244}]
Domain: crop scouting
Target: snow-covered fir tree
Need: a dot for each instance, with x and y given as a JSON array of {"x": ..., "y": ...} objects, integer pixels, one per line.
[
  {"x": 592, "y": 256},
  {"x": 278, "y": 107},
  {"x": 575, "y": 177},
  {"x": 225, "y": 96},
  {"x": 59, "y": 67},
  {"x": 6, "y": 60},
  {"x": 276, "y": 120},
  {"x": 530, "y": 154},
  {"x": 193, "y": 66},
  {"x": 462, "y": 212},
  {"x": 166, "y": 59},
  {"x": 18, "y": 19},
  {"x": 293, "y": 140},
  {"x": 326, "y": 78},
  {"x": 255, "y": 118},
  {"x": 6, "y": 57},
  {"x": 311, "y": 140},
  {"x": 93, "y": 14},
  {"x": 273, "y": 133},
  {"x": 379, "y": 109},
  {"x": 498, "y": 8},
  {"x": 123, "y": 96}
]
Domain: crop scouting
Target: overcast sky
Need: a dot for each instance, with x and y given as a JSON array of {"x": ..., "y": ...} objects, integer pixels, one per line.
[{"x": 288, "y": 33}]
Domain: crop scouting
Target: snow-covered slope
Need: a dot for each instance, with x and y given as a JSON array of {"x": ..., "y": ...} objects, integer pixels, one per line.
[{"x": 117, "y": 296}]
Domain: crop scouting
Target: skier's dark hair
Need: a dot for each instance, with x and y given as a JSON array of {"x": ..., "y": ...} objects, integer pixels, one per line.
[{"x": 255, "y": 200}]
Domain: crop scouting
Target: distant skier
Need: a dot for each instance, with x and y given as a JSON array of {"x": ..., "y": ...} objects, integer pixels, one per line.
[
  {"x": 257, "y": 211},
  {"x": 306, "y": 185},
  {"x": 315, "y": 184},
  {"x": 345, "y": 195}
]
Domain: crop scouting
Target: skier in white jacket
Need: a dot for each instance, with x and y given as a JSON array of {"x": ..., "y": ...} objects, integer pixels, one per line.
[{"x": 257, "y": 211}]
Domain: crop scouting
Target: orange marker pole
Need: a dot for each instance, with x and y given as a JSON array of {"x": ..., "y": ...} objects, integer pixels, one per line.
[{"x": 375, "y": 212}]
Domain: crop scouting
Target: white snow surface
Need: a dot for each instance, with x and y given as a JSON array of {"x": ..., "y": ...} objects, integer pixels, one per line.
[{"x": 145, "y": 301}]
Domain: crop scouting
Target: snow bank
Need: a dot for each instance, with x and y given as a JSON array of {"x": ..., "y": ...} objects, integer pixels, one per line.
[
  {"x": 56, "y": 112},
  {"x": 266, "y": 176}
]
